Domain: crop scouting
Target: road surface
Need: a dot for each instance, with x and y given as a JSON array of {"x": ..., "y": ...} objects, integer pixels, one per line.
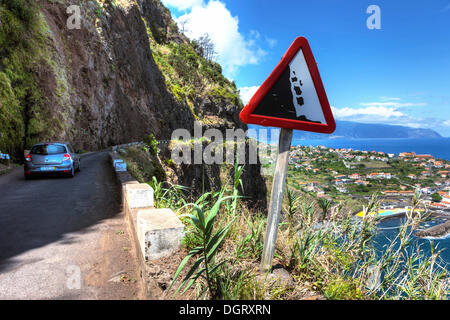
[{"x": 65, "y": 238}]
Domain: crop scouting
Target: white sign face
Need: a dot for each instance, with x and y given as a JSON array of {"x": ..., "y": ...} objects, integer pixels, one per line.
[
  {"x": 121, "y": 167},
  {"x": 303, "y": 90}
]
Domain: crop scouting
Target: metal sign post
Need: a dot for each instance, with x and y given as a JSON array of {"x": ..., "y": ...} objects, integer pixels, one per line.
[{"x": 276, "y": 198}]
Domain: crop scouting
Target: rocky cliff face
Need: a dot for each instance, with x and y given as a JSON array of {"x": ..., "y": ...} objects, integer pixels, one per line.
[
  {"x": 125, "y": 73},
  {"x": 117, "y": 93}
]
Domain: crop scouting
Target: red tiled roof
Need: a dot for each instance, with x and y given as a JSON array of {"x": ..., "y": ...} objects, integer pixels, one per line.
[
  {"x": 424, "y": 156},
  {"x": 438, "y": 204}
]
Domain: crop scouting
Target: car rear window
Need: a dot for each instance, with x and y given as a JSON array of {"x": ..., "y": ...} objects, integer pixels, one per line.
[{"x": 48, "y": 149}]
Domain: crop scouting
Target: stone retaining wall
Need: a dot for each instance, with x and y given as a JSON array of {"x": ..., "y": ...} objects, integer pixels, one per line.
[{"x": 156, "y": 233}]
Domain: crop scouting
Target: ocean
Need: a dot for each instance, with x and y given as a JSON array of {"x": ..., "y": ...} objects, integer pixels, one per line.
[
  {"x": 438, "y": 148},
  {"x": 388, "y": 229}
]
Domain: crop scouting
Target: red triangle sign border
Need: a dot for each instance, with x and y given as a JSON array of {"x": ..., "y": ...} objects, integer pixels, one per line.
[{"x": 248, "y": 117}]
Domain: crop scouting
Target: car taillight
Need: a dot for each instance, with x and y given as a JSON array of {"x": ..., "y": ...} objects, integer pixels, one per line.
[
  {"x": 28, "y": 158},
  {"x": 66, "y": 157}
]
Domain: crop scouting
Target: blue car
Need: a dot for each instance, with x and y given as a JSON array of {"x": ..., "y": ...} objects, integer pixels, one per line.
[{"x": 52, "y": 157}]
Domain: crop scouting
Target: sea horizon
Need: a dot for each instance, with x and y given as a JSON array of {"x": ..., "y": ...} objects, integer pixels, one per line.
[{"x": 437, "y": 147}]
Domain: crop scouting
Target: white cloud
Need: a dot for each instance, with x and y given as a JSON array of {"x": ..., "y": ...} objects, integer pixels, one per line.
[
  {"x": 392, "y": 104},
  {"x": 247, "y": 93},
  {"x": 387, "y": 112},
  {"x": 234, "y": 50},
  {"x": 389, "y": 116},
  {"x": 255, "y": 34},
  {"x": 378, "y": 112},
  {"x": 413, "y": 124},
  {"x": 390, "y": 99},
  {"x": 271, "y": 42},
  {"x": 182, "y": 5}
]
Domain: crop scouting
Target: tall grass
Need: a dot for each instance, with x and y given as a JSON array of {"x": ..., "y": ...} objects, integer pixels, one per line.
[
  {"x": 205, "y": 236},
  {"x": 337, "y": 258},
  {"x": 168, "y": 195},
  {"x": 205, "y": 265}
]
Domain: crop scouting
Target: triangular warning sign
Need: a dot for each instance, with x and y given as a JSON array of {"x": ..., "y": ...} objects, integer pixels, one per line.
[{"x": 293, "y": 96}]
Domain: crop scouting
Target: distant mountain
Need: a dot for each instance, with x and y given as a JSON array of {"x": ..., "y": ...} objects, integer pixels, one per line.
[{"x": 356, "y": 130}]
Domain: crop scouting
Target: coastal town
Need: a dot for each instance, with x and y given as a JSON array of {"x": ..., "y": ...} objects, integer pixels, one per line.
[{"x": 347, "y": 174}]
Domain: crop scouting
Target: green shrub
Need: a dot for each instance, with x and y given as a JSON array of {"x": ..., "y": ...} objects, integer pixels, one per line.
[
  {"x": 135, "y": 171},
  {"x": 170, "y": 163},
  {"x": 178, "y": 92},
  {"x": 142, "y": 167},
  {"x": 184, "y": 60},
  {"x": 152, "y": 144},
  {"x": 436, "y": 197},
  {"x": 343, "y": 289},
  {"x": 220, "y": 93},
  {"x": 98, "y": 10},
  {"x": 22, "y": 9},
  {"x": 208, "y": 70},
  {"x": 24, "y": 116}
]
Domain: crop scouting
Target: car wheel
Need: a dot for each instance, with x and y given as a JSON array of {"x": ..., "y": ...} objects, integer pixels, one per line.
[
  {"x": 79, "y": 166},
  {"x": 27, "y": 176}
]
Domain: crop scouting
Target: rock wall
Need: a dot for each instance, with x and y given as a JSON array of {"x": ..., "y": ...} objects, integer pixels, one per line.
[
  {"x": 100, "y": 85},
  {"x": 117, "y": 94}
]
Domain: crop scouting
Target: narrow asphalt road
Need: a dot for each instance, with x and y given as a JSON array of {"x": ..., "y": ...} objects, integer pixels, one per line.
[{"x": 65, "y": 238}]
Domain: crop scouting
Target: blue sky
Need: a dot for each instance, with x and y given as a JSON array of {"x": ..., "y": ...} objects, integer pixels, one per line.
[{"x": 399, "y": 74}]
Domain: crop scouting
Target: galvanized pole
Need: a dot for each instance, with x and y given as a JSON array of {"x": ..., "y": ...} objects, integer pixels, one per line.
[{"x": 276, "y": 198}]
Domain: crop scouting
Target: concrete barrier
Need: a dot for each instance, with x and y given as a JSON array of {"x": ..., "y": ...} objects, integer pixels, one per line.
[
  {"x": 139, "y": 196},
  {"x": 159, "y": 233},
  {"x": 156, "y": 233}
]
